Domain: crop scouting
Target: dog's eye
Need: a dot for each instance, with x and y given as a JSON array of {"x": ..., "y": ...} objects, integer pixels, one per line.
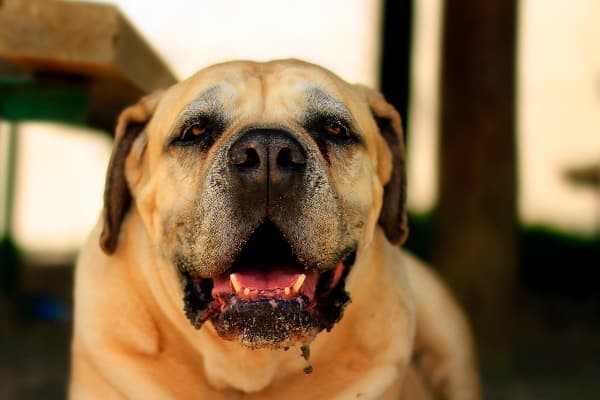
[
  {"x": 335, "y": 130},
  {"x": 198, "y": 130},
  {"x": 192, "y": 135}
]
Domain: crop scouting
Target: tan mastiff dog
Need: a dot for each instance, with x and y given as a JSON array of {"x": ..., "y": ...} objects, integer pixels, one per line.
[{"x": 249, "y": 249}]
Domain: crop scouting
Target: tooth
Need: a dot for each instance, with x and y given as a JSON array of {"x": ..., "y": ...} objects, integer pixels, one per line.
[
  {"x": 286, "y": 291},
  {"x": 235, "y": 283},
  {"x": 247, "y": 291},
  {"x": 299, "y": 282}
]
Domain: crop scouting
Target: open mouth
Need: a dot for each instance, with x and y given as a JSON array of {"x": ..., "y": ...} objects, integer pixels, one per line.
[{"x": 267, "y": 298}]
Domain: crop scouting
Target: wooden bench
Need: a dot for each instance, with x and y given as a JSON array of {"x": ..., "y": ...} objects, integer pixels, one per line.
[{"x": 69, "y": 58}]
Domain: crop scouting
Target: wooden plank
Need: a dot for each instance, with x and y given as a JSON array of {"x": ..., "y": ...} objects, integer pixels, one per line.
[
  {"x": 476, "y": 244},
  {"x": 79, "y": 38}
]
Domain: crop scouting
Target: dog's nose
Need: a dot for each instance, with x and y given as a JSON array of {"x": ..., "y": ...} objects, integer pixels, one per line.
[{"x": 267, "y": 159}]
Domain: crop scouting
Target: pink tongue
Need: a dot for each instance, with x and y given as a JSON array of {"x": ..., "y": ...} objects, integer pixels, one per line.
[
  {"x": 256, "y": 279},
  {"x": 269, "y": 280}
]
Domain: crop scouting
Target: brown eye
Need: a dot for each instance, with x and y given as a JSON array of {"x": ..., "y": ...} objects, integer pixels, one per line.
[
  {"x": 192, "y": 135},
  {"x": 335, "y": 130},
  {"x": 198, "y": 130}
]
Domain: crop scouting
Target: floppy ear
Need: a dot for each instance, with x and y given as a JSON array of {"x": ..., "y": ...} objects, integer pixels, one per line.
[
  {"x": 393, "y": 217},
  {"x": 117, "y": 196}
]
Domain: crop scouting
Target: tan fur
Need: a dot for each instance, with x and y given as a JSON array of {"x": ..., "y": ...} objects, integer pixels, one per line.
[{"x": 402, "y": 335}]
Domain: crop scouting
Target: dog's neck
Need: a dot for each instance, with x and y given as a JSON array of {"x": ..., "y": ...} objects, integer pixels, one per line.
[{"x": 230, "y": 365}]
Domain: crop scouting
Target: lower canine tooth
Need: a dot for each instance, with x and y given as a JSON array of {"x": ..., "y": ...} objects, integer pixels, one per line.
[
  {"x": 286, "y": 290},
  {"x": 246, "y": 291},
  {"x": 299, "y": 282},
  {"x": 235, "y": 283}
]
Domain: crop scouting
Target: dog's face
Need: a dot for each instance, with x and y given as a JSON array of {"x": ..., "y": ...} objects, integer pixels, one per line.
[{"x": 260, "y": 182}]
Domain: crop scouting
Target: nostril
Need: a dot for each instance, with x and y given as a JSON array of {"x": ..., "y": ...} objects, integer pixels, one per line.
[
  {"x": 287, "y": 159},
  {"x": 252, "y": 160},
  {"x": 246, "y": 158}
]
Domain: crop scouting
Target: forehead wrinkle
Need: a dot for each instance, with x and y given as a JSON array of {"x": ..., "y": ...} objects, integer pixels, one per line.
[
  {"x": 321, "y": 101},
  {"x": 209, "y": 101}
]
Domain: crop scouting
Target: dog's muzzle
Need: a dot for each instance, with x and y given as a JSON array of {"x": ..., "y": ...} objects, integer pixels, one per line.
[{"x": 269, "y": 297}]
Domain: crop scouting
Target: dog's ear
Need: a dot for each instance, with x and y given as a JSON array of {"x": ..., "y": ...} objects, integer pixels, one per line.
[
  {"x": 117, "y": 196},
  {"x": 392, "y": 218}
]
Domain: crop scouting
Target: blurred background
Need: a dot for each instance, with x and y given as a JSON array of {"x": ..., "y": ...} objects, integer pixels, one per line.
[{"x": 501, "y": 106}]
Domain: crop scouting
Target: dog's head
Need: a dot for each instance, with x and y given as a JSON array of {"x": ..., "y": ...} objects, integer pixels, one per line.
[{"x": 260, "y": 182}]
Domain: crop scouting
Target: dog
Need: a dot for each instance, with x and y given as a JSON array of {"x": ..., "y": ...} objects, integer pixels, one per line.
[{"x": 249, "y": 248}]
